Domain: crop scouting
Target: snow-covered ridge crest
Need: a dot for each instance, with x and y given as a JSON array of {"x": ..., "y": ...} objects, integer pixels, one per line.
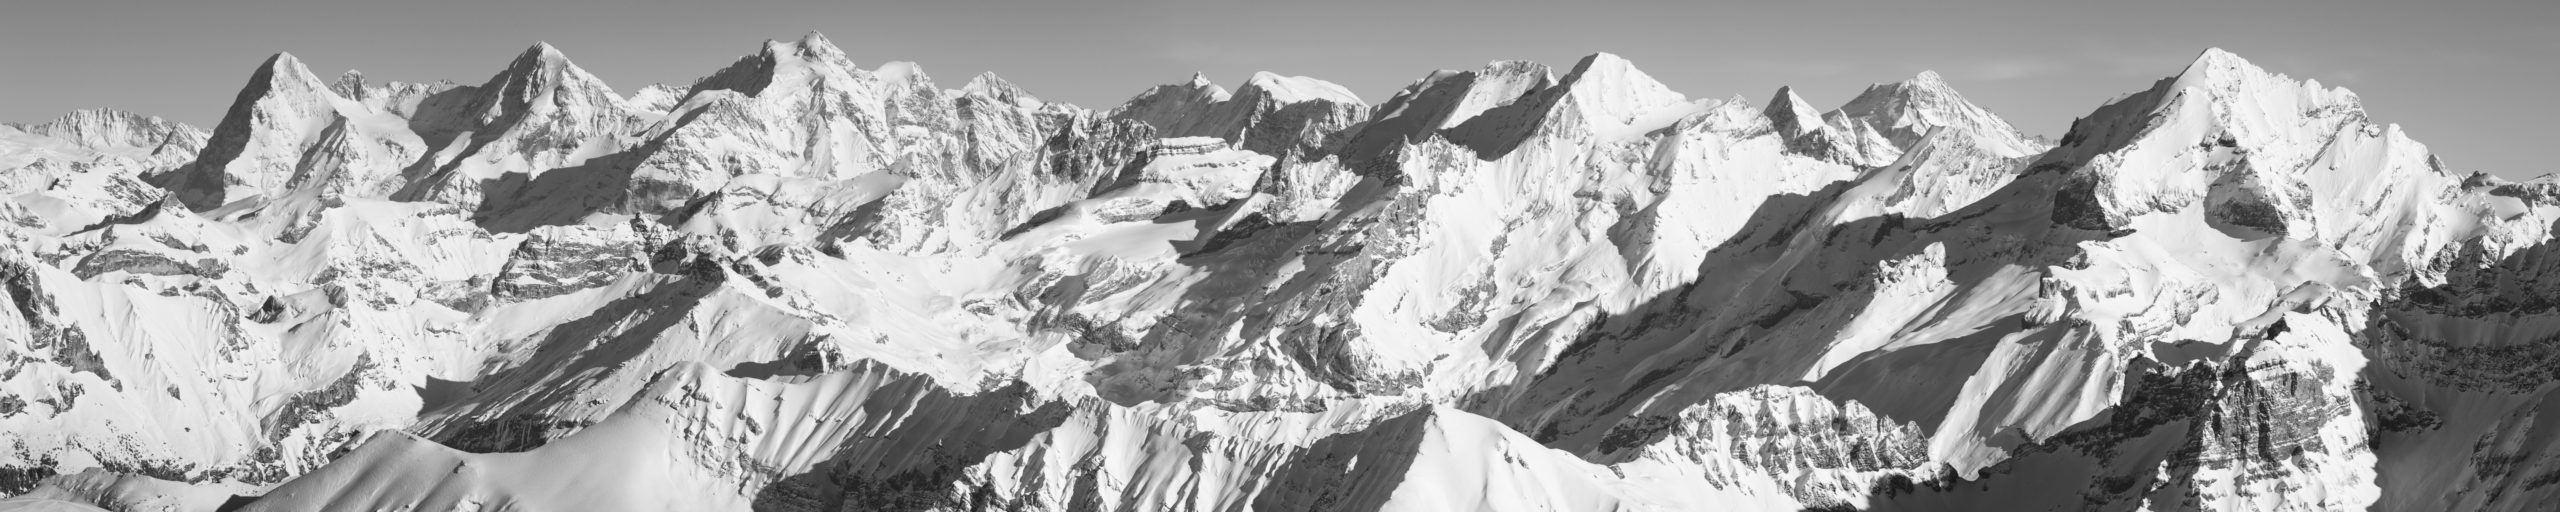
[
  {"x": 100, "y": 129},
  {"x": 801, "y": 284}
]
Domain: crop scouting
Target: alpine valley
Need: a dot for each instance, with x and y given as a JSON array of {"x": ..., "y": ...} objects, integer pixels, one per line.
[{"x": 801, "y": 284}]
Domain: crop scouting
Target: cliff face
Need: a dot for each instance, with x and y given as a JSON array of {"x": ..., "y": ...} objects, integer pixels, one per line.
[{"x": 801, "y": 284}]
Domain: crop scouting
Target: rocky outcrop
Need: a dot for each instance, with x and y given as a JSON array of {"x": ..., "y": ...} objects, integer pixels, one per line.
[{"x": 803, "y": 284}]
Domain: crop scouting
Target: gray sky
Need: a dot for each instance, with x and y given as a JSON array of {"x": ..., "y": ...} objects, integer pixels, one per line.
[{"x": 2474, "y": 81}]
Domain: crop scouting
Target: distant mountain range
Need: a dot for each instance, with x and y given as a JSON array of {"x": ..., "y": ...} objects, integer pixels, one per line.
[{"x": 800, "y": 284}]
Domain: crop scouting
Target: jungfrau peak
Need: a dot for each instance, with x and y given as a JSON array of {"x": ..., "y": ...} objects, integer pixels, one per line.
[{"x": 803, "y": 284}]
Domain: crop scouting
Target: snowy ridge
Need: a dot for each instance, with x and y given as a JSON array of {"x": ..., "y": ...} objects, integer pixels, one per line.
[{"x": 803, "y": 284}]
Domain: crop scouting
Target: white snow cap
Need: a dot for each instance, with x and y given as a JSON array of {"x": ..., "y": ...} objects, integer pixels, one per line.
[
  {"x": 1294, "y": 89},
  {"x": 815, "y": 44}
]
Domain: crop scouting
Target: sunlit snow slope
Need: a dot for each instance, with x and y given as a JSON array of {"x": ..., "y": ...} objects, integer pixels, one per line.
[{"x": 805, "y": 284}]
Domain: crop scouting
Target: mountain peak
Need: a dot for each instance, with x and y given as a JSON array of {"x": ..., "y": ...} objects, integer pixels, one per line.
[
  {"x": 2216, "y": 65},
  {"x": 1609, "y": 68},
  {"x": 2249, "y": 106},
  {"x": 539, "y": 65},
  {"x": 543, "y": 50},
  {"x": 809, "y": 47},
  {"x": 1569, "y": 290},
  {"x": 282, "y": 69},
  {"x": 349, "y": 84},
  {"x": 538, "y": 80},
  {"x": 815, "y": 44},
  {"x": 539, "y": 58},
  {"x": 2220, "y": 70},
  {"x": 2218, "y": 58},
  {"x": 903, "y": 73},
  {"x": 1602, "y": 59},
  {"x": 1787, "y": 98},
  {"x": 1616, "y": 89},
  {"x": 1198, "y": 85},
  {"x": 1294, "y": 89},
  {"x": 1791, "y": 114},
  {"x": 1905, "y": 111},
  {"x": 996, "y": 87},
  {"x": 281, "y": 60}
]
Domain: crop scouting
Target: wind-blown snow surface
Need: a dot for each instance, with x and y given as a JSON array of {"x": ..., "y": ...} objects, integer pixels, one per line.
[{"x": 801, "y": 284}]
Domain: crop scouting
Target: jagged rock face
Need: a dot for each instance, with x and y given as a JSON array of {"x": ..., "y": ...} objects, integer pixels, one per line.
[
  {"x": 558, "y": 260},
  {"x": 800, "y": 284},
  {"x": 1296, "y": 117}
]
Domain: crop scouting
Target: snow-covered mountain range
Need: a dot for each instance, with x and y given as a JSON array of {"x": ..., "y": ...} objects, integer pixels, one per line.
[{"x": 804, "y": 284}]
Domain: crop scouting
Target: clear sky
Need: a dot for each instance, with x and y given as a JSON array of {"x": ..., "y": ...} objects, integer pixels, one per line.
[{"x": 2474, "y": 80}]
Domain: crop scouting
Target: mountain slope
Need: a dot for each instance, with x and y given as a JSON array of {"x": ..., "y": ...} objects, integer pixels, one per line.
[{"x": 802, "y": 284}]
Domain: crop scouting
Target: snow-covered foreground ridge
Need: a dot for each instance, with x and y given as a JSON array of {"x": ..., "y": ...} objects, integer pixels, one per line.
[{"x": 801, "y": 284}]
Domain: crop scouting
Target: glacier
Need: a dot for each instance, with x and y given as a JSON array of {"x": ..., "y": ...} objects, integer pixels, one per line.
[{"x": 800, "y": 284}]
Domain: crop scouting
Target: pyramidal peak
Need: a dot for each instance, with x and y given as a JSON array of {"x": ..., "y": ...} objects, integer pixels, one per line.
[
  {"x": 1787, "y": 95},
  {"x": 536, "y": 81},
  {"x": 1622, "y": 101},
  {"x": 540, "y": 62},
  {"x": 2217, "y": 60},
  {"x": 1791, "y": 114},
  {"x": 2219, "y": 98},
  {"x": 2216, "y": 68},
  {"x": 283, "y": 75},
  {"x": 282, "y": 60},
  {"x": 1613, "y": 84},
  {"x": 2229, "y": 74},
  {"x": 284, "y": 69},
  {"x": 543, "y": 50}
]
